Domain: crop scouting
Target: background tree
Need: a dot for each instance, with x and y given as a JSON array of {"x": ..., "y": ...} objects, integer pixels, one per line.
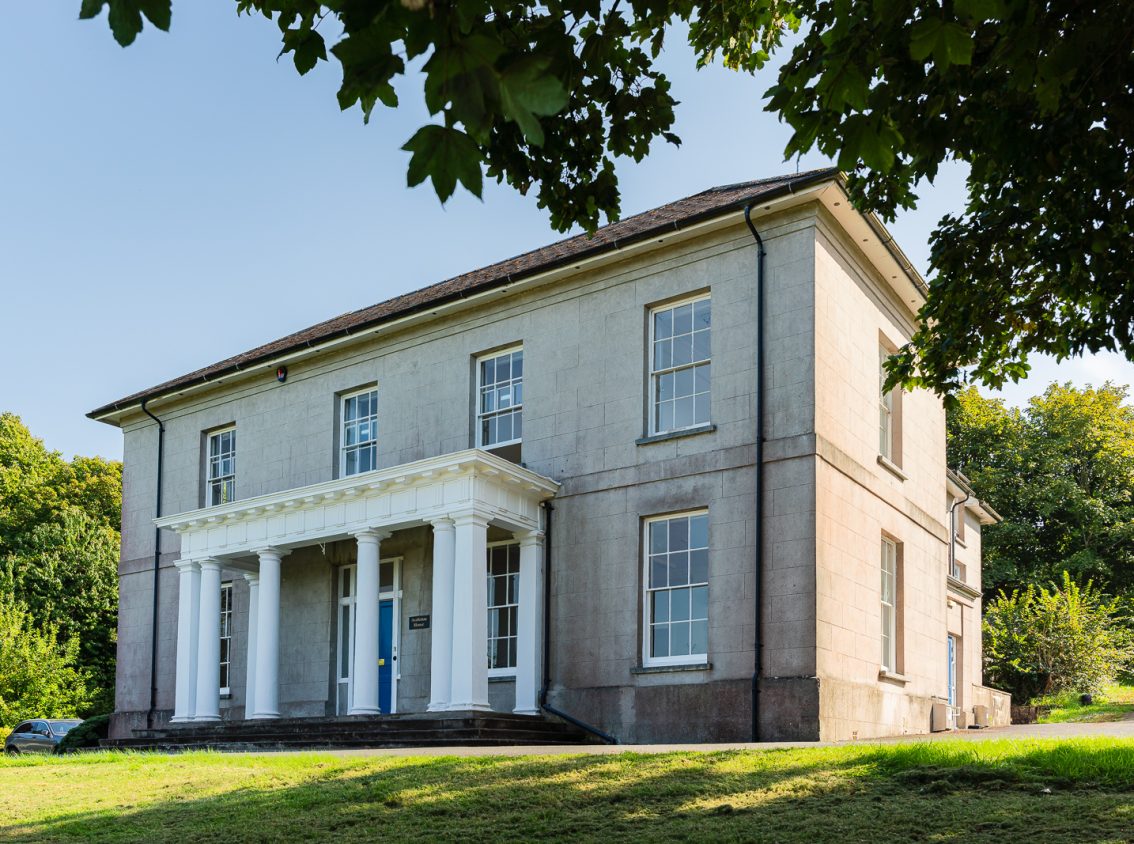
[
  {"x": 59, "y": 549},
  {"x": 38, "y": 673},
  {"x": 1061, "y": 473},
  {"x": 546, "y": 95}
]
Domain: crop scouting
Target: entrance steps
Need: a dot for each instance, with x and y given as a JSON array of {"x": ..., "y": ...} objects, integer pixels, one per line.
[{"x": 441, "y": 729}]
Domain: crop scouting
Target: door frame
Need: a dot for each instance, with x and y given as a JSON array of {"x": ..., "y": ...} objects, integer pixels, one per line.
[{"x": 395, "y": 594}]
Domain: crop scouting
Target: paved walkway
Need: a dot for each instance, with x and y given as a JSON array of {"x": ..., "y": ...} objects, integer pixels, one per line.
[{"x": 1112, "y": 729}]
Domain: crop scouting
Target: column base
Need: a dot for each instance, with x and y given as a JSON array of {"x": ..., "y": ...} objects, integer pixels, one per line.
[
  {"x": 437, "y": 707},
  {"x": 206, "y": 718},
  {"x": 180, "y": 719},
  {"x": 264, "y": 716},
  {"x": 526, "y": 712},
  {"x": 468, "y": 707},
  {"x": 365, "y": 711}
]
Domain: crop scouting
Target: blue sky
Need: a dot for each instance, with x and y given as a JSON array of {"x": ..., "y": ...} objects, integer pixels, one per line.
[{"x": 187, "y": 198}]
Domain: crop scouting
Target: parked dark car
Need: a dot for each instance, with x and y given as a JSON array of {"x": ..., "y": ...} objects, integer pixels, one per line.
[{"x": 40, "y": 735}]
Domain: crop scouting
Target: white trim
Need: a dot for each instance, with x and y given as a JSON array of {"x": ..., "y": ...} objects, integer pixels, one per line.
[
  {"x": 227, "y": 584},
  {"x": 889, "y": 626},
  {"x": 648, "y": 660},
  {"x": 509, "y": 671},
  {"x": 350, "y": 570},
  {"x": 477, "y": 414},
  {"x": 651, "y": 423},
  {"x": 209, "y": 479},
  {"x": 343, "y": 398}
]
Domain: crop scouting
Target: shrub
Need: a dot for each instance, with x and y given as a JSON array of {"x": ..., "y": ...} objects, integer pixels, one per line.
[
  {"x": 1047, "y": 641},
  {"x": 38, "y": 677},
  {"x": 86, "y": 734}
]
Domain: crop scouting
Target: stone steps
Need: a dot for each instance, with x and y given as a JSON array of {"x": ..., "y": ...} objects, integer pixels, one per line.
[{"x": 464, "y": 729}]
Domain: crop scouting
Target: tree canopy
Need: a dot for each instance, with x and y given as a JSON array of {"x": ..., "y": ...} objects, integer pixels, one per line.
[
  {"x": 544, "y": 96},
  {"x": 59, "y": 548},
  {"x": 1061, "y": 474}
]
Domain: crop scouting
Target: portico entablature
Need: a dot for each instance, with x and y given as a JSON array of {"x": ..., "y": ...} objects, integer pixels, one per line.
[{"x": 469, "y": 481}]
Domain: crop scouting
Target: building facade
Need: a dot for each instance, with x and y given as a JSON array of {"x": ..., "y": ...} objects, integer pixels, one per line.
[{"x": 538, "y": 483}]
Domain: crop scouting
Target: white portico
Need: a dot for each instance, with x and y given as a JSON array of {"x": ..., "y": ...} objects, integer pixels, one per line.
[{"x": 459, "y": 495}]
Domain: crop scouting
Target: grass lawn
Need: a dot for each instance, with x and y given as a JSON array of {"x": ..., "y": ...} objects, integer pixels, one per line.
[
  {"x": 1116, "y": 703},
  {"x": 1047, "y": 790}
]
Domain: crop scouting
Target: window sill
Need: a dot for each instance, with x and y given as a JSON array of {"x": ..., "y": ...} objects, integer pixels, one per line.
[
  {"x": 226, "y": 695},
  {"x": 893, "y": 468},
  {"x": 502, "y": 678},
  {"x": 673, "y": 435},
  {"x": 892, "y": 677},
  {"x": 666, "y": 669}
]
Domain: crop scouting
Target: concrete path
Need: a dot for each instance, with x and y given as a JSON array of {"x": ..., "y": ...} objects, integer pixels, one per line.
[{"x": 1111, "y": 729}]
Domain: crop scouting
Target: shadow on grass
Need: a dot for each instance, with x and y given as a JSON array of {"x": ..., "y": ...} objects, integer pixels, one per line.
[{"x": 907, "y": 792}]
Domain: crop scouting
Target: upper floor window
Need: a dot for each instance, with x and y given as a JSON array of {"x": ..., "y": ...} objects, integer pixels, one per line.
[
  {"x": 680, "y": 367},
  {"x": 225, "y": 637},
  {"x": 677, "y": 589},
  {"x": 221, "y": 478},
  {"x": 500, "y": 398},
  {"x": 889, "y": 413},
  {"x": 503, "y": 607},
  {"x": 360, "y": 433}
]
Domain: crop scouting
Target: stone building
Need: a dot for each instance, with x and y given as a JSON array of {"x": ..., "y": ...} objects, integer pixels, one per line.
[{"x": 539, "y": 483}]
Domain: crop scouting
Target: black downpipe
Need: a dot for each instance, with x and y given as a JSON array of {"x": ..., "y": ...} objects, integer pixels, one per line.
[
  {"x": 758, "y": 644},
  {"x": 543, "y": 704},
  {"x": 157, "y": 564}
]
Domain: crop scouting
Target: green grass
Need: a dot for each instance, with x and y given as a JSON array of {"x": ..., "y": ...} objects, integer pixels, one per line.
[
  {"x": 1078, "y": 790},
  {"x": 1116, "y": 703}
]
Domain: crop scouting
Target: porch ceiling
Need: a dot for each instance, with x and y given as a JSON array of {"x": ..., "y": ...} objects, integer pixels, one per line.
[{"x": 470, "y": 481}]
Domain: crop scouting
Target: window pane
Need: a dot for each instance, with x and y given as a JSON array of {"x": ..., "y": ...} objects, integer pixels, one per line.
[
  {"x": 663, "y": 355},
  {"x": 518, "y": 364},
  {"x": 683, "y": 350},
  {"x": 702, "y": 314},
  {"x": 683, "y": 382},
  {"x": 678, "y": 534},
  {"x": 663, "y": 324},
  {"x": 659, "y": 533},
  {"x": 701, "y": 411},
  {"x": 699, "y": 637},
  {"x": 660, "y": 610},
  {"x": 344, "y": 643},
  {"x": 682, "y": 319},
  {"x": 503, "y": 368},
  {"x": 386, "y": 577},
  {"x": 699, "y": 531},
  {"x": 658, "y": 569},
  {"x": 702, "y": 377},
  {"x": 665, "y": 387},
  {"x": 701, "y": 345},
  {"x": 679, "y": 639},
  {"x": 665, "y": 416},
  {"x": 684, "y": 413},
  {"x": 699, "y": 602},
  {"x": 679, "y": 604},
  {"x": 679, "y": 568},
  {"x": 699, "y": 566},
  {"x": 488, "y": 371},
  {"x": 659, "y": 645}
]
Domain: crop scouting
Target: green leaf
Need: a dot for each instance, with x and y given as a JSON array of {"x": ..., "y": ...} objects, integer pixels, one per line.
[
  {"x": 90, "y": 9},
  {"x": 125, "y": 21},
  {"x": 948, "y": 43},
  {"x": 979, "y": 9},
  {"x": 444, "y": 155},
  {"x": 308, "y": 48},
  {"x": 527, "y": 89},
  {"x": 158, "y": 12}
]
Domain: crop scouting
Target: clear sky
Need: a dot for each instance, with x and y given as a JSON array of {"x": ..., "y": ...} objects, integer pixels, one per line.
[{"x": 167, "y": 205}]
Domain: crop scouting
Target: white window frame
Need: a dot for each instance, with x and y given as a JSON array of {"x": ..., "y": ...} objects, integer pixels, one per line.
[
  {"x": 373, "y": 442},
  {"x": 885, "y": 409},
  {"x": 648, "y": 660},
  {"x": 212, "y": 480},
  {"x": 889, "y": 609},
  {"x": 507, "y": 671},
  {"x": 656, "y": 374},
  {"x": 226, "y": 635},
  {"x": 344, "y": 683},
  {"x": 481, "y": 415}
]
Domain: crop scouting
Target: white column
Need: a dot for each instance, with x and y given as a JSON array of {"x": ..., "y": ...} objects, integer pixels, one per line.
[
  {"x": 469, "y": 689},
  {"x": 364, "y": 672},
  {"x": 441, "y": 654},
  {"x": 528, "y": 633},
  {"x": 188, "y": 603},
  {"x": 208, "y": 644},
  {"x": 268, "y": 636},
  {"x": 253, "y": 579}
]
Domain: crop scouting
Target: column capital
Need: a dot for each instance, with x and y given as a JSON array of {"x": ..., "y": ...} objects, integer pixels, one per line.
[
  {"x": 372, "y": 533},
  {"x": 271, "y": 551},
  {"x": 210, "y": 564},
  {"x": 473, "y": 517},
  {"x": 187, "y": 565},
  {"x": 528, "y": 538},
  {"x": 253, "y": 577},
  {"x": 442, "y": 523}
]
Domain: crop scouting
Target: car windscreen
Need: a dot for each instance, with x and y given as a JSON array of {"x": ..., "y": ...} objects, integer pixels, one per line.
[{"x": 61, "y": 728}]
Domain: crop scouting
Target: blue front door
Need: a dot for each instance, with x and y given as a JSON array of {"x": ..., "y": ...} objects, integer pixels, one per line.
[{"x": 385, "y": 655}]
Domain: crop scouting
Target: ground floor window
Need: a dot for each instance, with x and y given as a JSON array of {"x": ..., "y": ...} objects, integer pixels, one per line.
[
  {"x": 225, "y": 638},
  {"x": 891, "y": 615},
  {"x": 503, "y": 606},
  {"x": 676, "y": 577}
]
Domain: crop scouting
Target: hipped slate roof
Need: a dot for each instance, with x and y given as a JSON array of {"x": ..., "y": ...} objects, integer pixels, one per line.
[{"x": 675, "y": 215}]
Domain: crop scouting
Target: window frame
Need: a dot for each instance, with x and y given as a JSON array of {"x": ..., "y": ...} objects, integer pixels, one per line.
[
  {"x": 648, "y": 659},
  {"x": 210, "y": 480},
  {"x": 889, "y": 411},
  {"x": 343, "y": 399},
  {"x": 890, "y": 612},
  {"x": 479, "y": 415},
  {"x": 226, "y": 634},
  {"x": 653, "y": 375},
  {"x": 510, "y": 670}
]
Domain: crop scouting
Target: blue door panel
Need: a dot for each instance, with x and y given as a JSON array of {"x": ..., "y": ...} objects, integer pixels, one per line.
[{"x": 385, "y": 655}]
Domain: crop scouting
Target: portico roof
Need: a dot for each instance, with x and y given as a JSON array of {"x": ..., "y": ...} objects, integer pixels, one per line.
[{"x": 472, "y": 482}]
